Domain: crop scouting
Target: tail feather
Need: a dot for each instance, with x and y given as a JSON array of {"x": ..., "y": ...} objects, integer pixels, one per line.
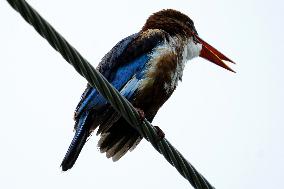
[
  {"x": 110, "y": 141},
  {"x": 111, "y": 117},
  {"x": 127, "y": 146},
  {"x": 117, "y": 146},
  {"x": 78, "y": 141},
  {"x": 118, "y": 139},
  {"x": 135, "y": 143}
]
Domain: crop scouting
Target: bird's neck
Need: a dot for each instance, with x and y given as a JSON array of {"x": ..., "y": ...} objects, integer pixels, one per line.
[
  {"x": 186, "y": 49},
  {"x": 191, "y": 49}
]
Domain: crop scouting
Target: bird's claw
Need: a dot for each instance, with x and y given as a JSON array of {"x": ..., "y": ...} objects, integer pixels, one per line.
[
  {"x": 160, "y": 133},
  {"x": 141, "y": 114}
]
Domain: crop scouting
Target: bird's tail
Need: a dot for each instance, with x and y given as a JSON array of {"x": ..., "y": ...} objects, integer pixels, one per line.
[
  {"x": 78, "y": 141},
  {"x": 117, "y": 139}
]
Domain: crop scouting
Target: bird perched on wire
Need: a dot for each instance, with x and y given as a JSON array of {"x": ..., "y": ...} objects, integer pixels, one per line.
[{"x": 145, "y": 67}]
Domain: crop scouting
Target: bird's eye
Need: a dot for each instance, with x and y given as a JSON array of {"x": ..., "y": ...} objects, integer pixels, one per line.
[{"x": 194, "y": 39}]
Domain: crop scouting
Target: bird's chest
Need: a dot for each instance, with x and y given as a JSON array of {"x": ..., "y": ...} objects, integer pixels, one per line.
[
  {"x": 160, "y": 79},
  {"x": 163, "y": 71}
]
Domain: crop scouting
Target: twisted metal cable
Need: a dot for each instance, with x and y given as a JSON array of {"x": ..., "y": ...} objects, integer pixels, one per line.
[{"x": 95, "y": 79}]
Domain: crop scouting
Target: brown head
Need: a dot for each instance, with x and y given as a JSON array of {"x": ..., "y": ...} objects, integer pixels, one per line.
[{"x": 176, "y": 23}]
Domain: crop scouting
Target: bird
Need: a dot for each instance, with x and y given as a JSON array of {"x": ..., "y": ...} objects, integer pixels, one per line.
[{"x": 145, "y": 68}]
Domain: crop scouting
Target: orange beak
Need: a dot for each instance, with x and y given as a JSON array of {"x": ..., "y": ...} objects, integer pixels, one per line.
[{"x": 213, "y": 55}]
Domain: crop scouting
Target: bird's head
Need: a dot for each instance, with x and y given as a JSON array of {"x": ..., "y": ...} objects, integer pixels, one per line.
[{"x": 176, "y": 23}]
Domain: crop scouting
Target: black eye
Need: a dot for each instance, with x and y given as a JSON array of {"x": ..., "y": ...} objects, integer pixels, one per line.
[{"x": 195, "y": 40}]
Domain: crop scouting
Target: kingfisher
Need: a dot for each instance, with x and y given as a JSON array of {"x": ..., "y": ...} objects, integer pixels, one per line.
[{"x": 145, "y": 68}]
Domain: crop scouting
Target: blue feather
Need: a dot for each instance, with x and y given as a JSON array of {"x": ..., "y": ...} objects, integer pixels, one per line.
[
  {"x": 121, "y": 77},
  {"x": 77, "y": 143}
]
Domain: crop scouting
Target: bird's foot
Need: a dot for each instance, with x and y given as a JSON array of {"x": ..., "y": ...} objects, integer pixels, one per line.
[
  {"x": 160, "y": 133},
  {"x": 141, "y": 114}
]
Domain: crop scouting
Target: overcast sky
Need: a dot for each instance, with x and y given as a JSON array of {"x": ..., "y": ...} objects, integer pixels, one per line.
[{"x": 229, "y": 126}]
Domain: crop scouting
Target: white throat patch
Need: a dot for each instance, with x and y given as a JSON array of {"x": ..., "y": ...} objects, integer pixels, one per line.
[{"x": 191, "y": 49}]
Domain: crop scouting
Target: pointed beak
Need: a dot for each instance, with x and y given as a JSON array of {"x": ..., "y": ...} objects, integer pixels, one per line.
[{"x": 213, "y": 55}]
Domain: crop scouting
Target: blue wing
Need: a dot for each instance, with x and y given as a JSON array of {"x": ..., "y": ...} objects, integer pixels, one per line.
[
  {"x": 126, "y": 61},
  {"x": 126, "y": 77}
]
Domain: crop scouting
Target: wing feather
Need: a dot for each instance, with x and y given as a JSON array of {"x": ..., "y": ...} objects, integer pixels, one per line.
[{"x": 120, "y": 65}]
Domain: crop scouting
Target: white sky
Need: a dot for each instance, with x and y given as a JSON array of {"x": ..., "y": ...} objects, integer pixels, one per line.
[{"x": 229, "y": 126}]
